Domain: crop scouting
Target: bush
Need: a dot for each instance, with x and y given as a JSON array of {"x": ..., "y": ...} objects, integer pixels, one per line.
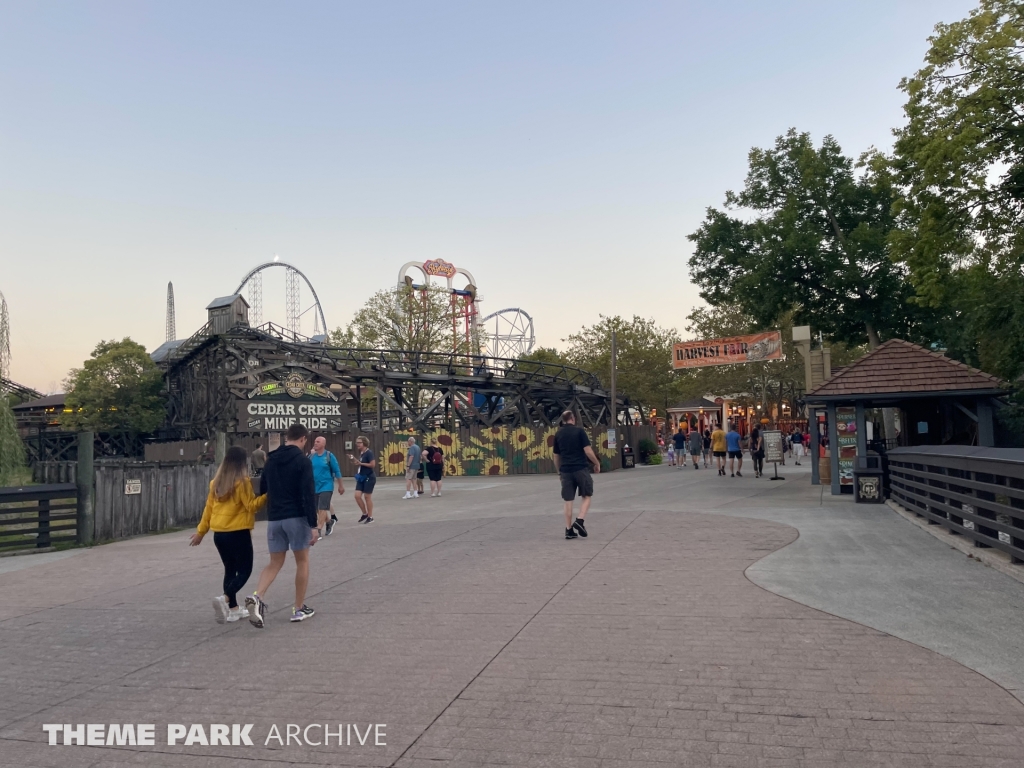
[{"x": 654, "y": 458}]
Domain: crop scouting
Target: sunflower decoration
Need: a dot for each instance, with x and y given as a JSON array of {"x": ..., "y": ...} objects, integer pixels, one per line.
[
  {"x": 452, "y": 466},
  {"x": 495, "y": 466},
  {"x": 602, "y": 445},
  {"x": 447, "y": 441},
  {"x": 472, "y": 453},
  {"x": 538, "y": 452},
  {"x": 547, "y": 442},
  {"x": 522, "y": 438},
  {"x": 495, "y": 434},
  {"x": 394, "y": 459}
]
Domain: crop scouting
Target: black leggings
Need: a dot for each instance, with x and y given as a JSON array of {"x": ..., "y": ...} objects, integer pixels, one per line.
[
  {"x": 759, "y": 463},
  {"x": 235, "y": 548}
]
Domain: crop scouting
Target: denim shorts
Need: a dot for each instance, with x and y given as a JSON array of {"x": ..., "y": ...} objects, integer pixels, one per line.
[
  {"x": 291, "y": 533},
  {"x": 365, "y": 483}
]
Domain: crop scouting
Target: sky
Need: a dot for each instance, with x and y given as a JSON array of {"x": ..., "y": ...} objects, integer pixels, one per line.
[{"x": 559, "y": 151}]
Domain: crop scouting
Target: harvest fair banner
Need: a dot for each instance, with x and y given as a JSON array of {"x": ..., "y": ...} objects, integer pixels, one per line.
[{"x": 754, "y": 348}]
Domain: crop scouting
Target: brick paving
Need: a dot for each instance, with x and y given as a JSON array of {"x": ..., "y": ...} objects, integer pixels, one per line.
[{"x": 489, "y": 641}]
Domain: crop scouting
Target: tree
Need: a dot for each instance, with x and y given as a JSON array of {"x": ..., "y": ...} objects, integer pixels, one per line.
[
  {"x": 405, "y": 319},
  {"x": 960, "y": 162},
  {"x": 12, "y": 450},
  {"x": 117, "y": 390},
  {"x": 816, "y": 244},
  {"x": 644, "y": 371},
  {"x": 545, "y": 355}
]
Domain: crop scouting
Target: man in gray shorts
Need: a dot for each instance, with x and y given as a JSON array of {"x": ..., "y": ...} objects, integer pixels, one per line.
[
  {"x": 412, "y": 466},
  {"x": 291, "y": 513}
]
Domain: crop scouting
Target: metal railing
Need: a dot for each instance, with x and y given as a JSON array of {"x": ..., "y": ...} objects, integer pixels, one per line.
[
  {"x": 974, "y": 492},
  {"x": 38, "y": 516}
]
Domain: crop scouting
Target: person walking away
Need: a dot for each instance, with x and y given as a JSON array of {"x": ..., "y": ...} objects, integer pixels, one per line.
[
  {"x": 718, "y": 448},
  {"x": 365, "y": 478},
  {"x": 258, "y": 458},
  {"x": 757, "y": 450},
  {"x": 573, "y": 456},
  {"x": 696, "y": 444},
  {"x": 670, "y": 452},
  {"x": 291, "y": 514},
  {"x": 230, "y": 513},
  {"x": 705, "y": 441},
  {"x": 412, "y": 466},
  {"x": 798, "y": 446},
  {"x": 435, "y": 466},
  {"x": 734, "y": 446},
  {"x": 679, "y": 443},
  {"x": 326, "y": 475}
]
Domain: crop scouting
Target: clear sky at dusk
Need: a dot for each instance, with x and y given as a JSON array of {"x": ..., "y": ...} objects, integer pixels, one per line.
[{"x": 561, "y": 151}]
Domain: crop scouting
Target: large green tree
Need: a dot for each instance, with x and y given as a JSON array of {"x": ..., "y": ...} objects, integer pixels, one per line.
[
  {"x": 807, "y": 234},
  {"x": 118, "y": 389},
  {"x": 960, "y": 163},
  {"x": 405, "y": 319},
  {"x": 644, "y": 355}
]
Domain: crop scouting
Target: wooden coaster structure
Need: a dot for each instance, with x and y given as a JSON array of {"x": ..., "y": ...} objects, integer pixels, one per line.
[{"x": 208, "y": 375}]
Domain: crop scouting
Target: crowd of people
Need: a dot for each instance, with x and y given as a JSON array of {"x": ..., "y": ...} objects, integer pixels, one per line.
[
  {"x": 297, "y": 488},
  {"x": 724, "y": 448}
]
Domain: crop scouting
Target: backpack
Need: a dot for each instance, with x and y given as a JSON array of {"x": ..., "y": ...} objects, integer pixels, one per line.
[
  {"x": 436, "y": 457},
  {"x": 328, "y": 457}
]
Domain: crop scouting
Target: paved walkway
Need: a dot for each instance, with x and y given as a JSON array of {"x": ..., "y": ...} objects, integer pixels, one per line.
[{"x": 482, "y": 638}]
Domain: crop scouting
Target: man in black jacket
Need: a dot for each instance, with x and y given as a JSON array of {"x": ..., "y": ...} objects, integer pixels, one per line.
[{"x": 291, "y": 514}]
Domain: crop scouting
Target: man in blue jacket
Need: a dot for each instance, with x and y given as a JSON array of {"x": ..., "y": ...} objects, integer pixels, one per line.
[{"x": 287, "y": 480}]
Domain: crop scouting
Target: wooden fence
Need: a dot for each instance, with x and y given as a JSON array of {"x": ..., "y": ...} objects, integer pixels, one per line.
[
  {"x": 135, "y": 497},
  {"x": 37, "y": 516},
  {"x": 55, "y": 472},
  {"x": 468, "y": 451}
]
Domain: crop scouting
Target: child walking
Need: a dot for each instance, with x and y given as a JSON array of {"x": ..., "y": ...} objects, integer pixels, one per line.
[{"x": 230, "y": 513}]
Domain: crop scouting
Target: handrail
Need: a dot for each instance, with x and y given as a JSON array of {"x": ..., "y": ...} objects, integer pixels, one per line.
[{"x": 973, "y": 492}]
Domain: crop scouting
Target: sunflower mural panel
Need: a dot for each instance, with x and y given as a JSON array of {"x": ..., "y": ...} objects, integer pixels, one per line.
[
  {"x": 392, "y": 462},
  {"x": 496, "y": 466},
  {"x": 605, "y": 455}
]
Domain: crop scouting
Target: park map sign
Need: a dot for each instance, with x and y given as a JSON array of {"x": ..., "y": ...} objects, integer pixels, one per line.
[{"x": 753, "y": 348}]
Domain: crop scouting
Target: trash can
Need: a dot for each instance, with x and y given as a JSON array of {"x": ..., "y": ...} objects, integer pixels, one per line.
[
  {"x": 868, "y": 480},
  {"x": 628, "y": 459}
]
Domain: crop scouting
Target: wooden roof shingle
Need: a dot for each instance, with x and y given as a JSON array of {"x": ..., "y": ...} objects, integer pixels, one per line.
[{"x": 898, "y": 367}]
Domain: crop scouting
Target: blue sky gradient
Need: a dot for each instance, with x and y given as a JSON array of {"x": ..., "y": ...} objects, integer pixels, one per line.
[{"x": 559, "y": 151}]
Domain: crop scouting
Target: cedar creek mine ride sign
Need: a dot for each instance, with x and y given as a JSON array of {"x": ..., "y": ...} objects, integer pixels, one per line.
[{"x": 266, "y": 411}]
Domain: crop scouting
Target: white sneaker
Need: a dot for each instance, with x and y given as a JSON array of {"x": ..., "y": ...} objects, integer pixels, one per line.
[
  {"x": 407, "y": 495},
  {"x": 237, "y": 614},
  {"x": 415, "y": 495},
  {"x": 220, "y": 609}
]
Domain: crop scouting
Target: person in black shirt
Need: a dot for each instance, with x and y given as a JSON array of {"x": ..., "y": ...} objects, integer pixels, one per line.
[
  {"x": 573, "y": 457},
  {"x": 679, "y": 443},
  {"x": 287, "y": 480}
]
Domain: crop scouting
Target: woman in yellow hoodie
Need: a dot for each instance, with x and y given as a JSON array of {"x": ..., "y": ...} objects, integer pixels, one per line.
[{"x": 231, "y": 514}]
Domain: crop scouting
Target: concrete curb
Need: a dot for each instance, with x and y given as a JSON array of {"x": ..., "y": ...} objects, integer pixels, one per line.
[
  {"x": 991, "y": 558},
  {"x": 20, "y": 552}
]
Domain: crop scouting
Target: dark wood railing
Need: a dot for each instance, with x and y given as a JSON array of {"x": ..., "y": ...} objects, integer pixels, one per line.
[
  {"x": 38, "y": 516},
  {"x": 974, "y": 492}
]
